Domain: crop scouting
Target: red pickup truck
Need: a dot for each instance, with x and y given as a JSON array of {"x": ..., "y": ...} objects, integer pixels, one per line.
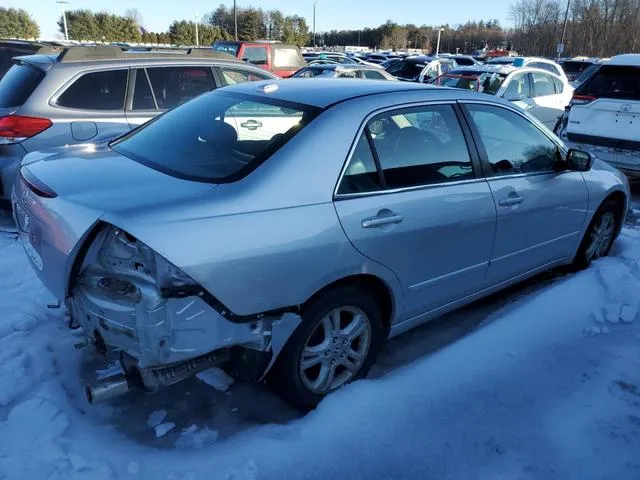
[{"x": 280, "y": 59}]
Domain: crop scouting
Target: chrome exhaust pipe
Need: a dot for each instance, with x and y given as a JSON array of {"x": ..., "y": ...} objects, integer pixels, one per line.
[{"x": 107, "y": 389}]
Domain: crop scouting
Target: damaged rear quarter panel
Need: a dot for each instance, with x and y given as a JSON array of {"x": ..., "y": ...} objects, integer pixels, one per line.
[{"x": 259, "y": 261}]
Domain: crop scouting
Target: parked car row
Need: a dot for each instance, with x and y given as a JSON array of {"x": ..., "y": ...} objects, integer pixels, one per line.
[{"x": 194, "y": 210}]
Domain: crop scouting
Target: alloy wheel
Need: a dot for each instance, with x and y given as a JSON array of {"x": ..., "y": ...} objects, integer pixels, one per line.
[
  {"x": 601, "y": 236},
  {"x": 335, "y": 350}
]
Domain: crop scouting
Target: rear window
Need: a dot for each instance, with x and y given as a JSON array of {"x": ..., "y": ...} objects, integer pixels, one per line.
[
  {"x": 406, "y": 69},
  {"x": 96, "y": 91},
  {"x": 575, "y": 67},
  {"x": 230, "y": 48},
  {"x": 485, "y": 82},
  {"x": 613, "y": 81},
  {"x": 218, "y": 138},
  {"x": 17, "y": 84},
  {"x": 7, "y": 52},
  {"x": 312, "y": 72}
]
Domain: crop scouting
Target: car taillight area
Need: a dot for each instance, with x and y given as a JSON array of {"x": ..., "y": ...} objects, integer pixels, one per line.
[
  {"x": 16, "y": 128},
  {"x": 582, "y": 99}
]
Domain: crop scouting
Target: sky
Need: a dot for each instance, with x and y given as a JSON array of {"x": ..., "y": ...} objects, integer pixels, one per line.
[{"x": 330, "y": 14}]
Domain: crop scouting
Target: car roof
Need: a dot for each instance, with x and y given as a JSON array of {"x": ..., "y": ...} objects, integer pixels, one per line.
[
  {"x": 627, "y": 60},
  {"x": 536, "y": 59},
  {"x": 324, "y": 92},
  {"x": 115, "y": 56},
  {"x": 421, "y": 59},
  {"x": 501, "y": 69},
  {"x": 342, "y": 66}
]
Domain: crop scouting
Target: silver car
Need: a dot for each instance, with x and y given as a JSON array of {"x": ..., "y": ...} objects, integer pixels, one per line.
[
  {"x": 333, "y": 70},
  {"x": 82, "y": 94},
  {"x": 348, "y": 213}
]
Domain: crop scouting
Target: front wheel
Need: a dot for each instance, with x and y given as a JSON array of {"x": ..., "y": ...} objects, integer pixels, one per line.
[
  {"x": 336, "y": 343},
  {"x": 599, "y": 237}
]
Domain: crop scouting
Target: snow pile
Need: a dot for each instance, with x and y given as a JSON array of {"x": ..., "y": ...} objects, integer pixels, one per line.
[{"x": 530, "y": 395}]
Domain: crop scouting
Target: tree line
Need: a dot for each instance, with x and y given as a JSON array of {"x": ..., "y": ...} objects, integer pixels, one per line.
[
  {"x": 594, "y": 28},
  {"x": 17, "y": 23},
  {"x": 599, "y": 28},
  {"x": 466, "y": 38}
]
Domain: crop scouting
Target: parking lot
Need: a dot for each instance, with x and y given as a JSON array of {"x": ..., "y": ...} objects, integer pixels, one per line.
[
  {"x": 516, "y": 385},
  {"x": 248, "y": 259}
]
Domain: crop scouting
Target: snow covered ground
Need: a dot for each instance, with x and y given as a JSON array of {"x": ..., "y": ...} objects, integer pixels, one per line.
[{"x": 540, "y": 382}]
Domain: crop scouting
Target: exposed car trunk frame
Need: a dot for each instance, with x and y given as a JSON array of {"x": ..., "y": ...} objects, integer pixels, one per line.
[{"x": 121, "y": 300}]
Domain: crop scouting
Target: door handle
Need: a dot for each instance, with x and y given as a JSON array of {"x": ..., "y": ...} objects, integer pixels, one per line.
[
  {"x": 511, "y": 200},
  {"x": 384, "y": 218},
  {"x": 251, "y": 124}
]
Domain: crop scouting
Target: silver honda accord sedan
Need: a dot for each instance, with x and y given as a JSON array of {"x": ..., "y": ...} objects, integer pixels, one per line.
[{"x": 283, "y": 230}]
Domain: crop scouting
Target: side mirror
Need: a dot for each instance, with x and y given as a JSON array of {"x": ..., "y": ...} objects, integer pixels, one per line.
[{"x": 579, "y": 161}]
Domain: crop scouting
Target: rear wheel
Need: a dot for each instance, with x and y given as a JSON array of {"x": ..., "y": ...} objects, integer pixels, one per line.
[
  {"x": 599, "y": 237},
  {"x": 336, "y": 344}
]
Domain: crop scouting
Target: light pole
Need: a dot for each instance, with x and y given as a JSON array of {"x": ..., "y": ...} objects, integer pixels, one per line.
[
  {"x": 314, "y": 22},
  {"x": 197, "y": 38},
  {"x": 440, "y": 30},
  {"x": 64, "y": 18},
  {"x": 564, "y": 28},
  {"x": 235, "y": 20}
]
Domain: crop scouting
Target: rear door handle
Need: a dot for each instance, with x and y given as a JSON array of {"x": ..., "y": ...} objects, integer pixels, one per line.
[
  {"x": 511, "y": 200},
  {"x": 384, "y": 217}
]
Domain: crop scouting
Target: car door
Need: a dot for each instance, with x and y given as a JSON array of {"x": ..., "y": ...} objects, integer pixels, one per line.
[
  {"x": 95, "y": 104},
  {"x": 517, "y": 89},
  {"x": 548, "y": 103},
  {"x": 411, "y": 197},
  {"x": 541, "y": 207}
]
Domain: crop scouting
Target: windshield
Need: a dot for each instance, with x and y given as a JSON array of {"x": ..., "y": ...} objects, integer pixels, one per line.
[
  {"x": 406, "y": 69},
  {"x": 483, "y": 82},
  {"x": 230, "y": 48},
  {"x": 613, "y": 81},
  {"x": 218, "y": 137}
]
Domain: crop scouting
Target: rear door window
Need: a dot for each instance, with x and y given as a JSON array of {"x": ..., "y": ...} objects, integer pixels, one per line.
[
  {"x": 558, "y": 84},
  {"x": 613, "y": 81},
  {"x": 173, "y": 86},
  {"x": 518, "y": 88},
  {"x": 17, "y": 84},
  {"x": 142, "y": 96},
  {"x": 373, "y": 75},
  {"x": 96, "y": 91},
  {"x": 543, "y": 85},
  {"x": 233, "y": 76},
  {"x": 255, "y": 55}
]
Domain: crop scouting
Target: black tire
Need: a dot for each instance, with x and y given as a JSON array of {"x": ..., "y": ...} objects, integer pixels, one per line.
[
  {"x": 583, "y": 257},
  {"x": 286, "y": 378}
]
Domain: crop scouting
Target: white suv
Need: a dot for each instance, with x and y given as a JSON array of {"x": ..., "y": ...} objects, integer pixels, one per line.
[{"x": 604, "y": 115}]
